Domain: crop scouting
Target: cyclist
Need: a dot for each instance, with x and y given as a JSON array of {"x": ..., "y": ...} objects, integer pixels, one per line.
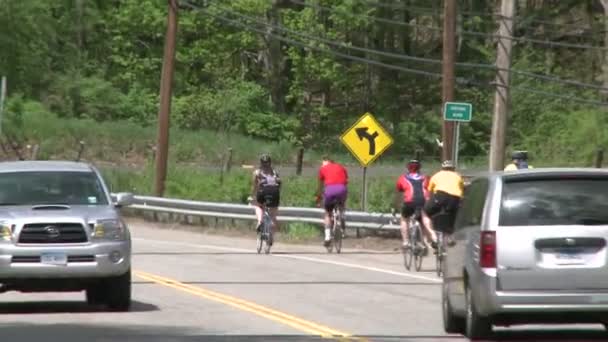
[
  {"x": 333, "y": 184},
  {"x": 266, "y": 183},
  {"x": 519, "y": 161},
  {"x": 414, "y": 186},
  {"x": 447, "y": 188}
]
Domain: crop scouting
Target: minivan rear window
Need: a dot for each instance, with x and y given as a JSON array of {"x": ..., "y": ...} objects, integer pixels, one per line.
[{"x": 563, "y": 201}]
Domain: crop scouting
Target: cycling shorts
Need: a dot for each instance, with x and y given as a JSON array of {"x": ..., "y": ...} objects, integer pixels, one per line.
[
  {"x": 334, "y": 194},
  {"x": 449, "y": 203},
  {"x": 269, "y": 195},
  {"x": 409, "y": 209}
]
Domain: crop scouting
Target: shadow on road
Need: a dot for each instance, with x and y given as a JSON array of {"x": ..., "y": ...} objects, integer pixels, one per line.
[
  {"x": 550, "y": 335},
  {"x": 336, "y": 282},
  {"x": 134, "y": 333},
  {"x": 64, "y": 307},
  {"x": 254, "y": 252}
]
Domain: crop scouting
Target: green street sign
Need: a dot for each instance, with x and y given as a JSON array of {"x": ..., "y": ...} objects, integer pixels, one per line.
[{"x": 457, "y": 111}]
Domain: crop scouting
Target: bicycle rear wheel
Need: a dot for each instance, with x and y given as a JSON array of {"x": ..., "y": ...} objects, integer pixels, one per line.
[
  {"x": 338, "y": 231},
  {"x": 259, "y": 242},
  {"x": 418, "y": 250},
  {"x": 268, "y": 241},
  {"x": 408, "y": 256},
  {"x": 439, "y": 256}
]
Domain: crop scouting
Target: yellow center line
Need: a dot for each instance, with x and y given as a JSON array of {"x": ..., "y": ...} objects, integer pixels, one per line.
[{"x": 277, "y": 316}]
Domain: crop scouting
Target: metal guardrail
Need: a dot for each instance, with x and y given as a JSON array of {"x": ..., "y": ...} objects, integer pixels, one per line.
[{"x": 354, "y": 219}]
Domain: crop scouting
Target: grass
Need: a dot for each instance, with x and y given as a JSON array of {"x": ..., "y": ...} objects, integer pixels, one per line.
[
  {"x": 129, "y": 144},
  {"x": 294, "y": 232},
  {"x": 192, "y": 183}
]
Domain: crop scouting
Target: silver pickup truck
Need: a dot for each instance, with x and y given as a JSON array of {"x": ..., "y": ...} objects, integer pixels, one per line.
[{"x": 61, "y": 231}]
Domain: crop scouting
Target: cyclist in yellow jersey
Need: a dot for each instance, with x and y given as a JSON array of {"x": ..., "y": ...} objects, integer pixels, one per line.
[
  {"x": 519, "y": 161},
  {"x": 447, "y": 188}
]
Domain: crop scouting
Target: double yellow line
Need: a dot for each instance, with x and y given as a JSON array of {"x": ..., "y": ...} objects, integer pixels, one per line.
[{"x": 277, "y": 316}]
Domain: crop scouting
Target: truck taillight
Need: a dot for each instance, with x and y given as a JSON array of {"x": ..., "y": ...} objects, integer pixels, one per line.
[{"x": 487, "y": 249}]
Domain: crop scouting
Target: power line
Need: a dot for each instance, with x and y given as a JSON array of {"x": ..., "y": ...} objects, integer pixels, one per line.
[
  {"x": 352, "y": 47},
  {"x": 422, "y": 10},
  {"x": 463, "y": 32},
  {"x": 493, "y": 15},
  {"x": 385, "y": 65},
  {"x": 412, "y": 58},
  {"x": 308, "y": 46}
]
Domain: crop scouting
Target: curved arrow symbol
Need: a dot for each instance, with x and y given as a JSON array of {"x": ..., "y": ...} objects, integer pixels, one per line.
[{"x": 362, "y": 133}]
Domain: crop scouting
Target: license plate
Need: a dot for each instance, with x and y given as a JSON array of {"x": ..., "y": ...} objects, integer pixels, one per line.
[
  {"x": 54, "y": 258},
  {"x": 569, "y": 258}
]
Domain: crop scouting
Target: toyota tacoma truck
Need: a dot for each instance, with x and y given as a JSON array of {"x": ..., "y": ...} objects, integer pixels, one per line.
[{"x": 61, "y": 231}]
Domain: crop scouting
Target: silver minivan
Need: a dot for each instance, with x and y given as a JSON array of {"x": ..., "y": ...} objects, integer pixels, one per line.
[{"x": 528, "y": 247}]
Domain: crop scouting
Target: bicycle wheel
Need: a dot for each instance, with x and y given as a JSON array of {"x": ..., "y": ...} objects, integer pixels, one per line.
[
  {"x": 259, "y": 241},
  {"x": 418, "y": 250},
  {"x": 337, "y": 233},
  {"x": 407, "y": 257},
  {"x": 268, "y": 233},
  {"x": 439, "y": 256}
]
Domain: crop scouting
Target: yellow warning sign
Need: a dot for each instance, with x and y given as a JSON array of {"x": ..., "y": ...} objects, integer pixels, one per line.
[{"x": 366, "y": 139}]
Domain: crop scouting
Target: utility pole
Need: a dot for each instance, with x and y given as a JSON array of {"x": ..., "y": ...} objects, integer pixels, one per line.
[
  {"x": 449, "y": 56},
  {"x": 501, "y": 99},
  {"x": 164, "y": 111},
  {"x": 2, "y": 99}
]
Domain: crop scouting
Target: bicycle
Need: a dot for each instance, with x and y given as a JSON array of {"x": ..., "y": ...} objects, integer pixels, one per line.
[
  {"x": 440, "y": 220},
  {"x": 337, "y": 229},
  {"x": 416, "y": 251},
  {"x": 265, "y": 236}
]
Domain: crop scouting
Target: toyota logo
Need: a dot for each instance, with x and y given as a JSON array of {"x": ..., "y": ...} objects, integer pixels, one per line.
[
  {"x": 570, "y": 242},
  {"x": 52, "y": 232}
]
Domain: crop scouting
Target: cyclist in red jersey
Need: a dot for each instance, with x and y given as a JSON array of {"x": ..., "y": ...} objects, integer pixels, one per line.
[
  {"x": 413, "y": 185},
  {"x": 333, "y": 183}
]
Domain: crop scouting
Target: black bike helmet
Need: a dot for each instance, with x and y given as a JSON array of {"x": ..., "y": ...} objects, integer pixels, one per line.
[
  {"x": 519, "y": 155},
  {"x": 265, "y": 159}
]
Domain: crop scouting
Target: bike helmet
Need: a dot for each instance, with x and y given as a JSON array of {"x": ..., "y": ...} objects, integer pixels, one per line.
[
  {"x": 414, "y": 165},
  {"x": 519, "y": 155},
  {"x": 447, "y": 165},
  {"x": 265, "y": 159}
]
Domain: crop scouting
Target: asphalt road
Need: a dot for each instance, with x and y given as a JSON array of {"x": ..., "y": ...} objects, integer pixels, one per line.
[{"x": 195, "y": 287}]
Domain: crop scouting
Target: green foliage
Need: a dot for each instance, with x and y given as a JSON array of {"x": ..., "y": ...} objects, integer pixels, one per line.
[{"x": 100, "y": 62}]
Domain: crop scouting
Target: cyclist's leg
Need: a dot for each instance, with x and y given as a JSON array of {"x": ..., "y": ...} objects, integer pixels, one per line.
[
  {"x": 333, "y": 194},
  {"x": 273, "y": 209},
  {"x": 407, "y": 211},
  {"x": 343, "y": 195},
  {"x": 259, "y": 211},
  {"x": 427, "y": 228}
]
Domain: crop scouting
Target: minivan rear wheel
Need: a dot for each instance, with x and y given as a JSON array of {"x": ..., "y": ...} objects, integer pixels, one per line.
[
  {"x": 452, "y": 324},
  {"x": 477, "y": 326}
]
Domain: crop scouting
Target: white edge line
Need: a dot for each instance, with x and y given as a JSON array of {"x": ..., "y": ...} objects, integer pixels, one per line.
[{"x": 336, "y": 263}]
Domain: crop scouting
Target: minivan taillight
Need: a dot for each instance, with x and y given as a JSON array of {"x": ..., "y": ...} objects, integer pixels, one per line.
[{"x": 487, "y": 249}]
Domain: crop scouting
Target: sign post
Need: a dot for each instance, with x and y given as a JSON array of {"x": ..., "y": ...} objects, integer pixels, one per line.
[
  {"x": 366, "y": 140},
  {"x": 458, "y": 112}
]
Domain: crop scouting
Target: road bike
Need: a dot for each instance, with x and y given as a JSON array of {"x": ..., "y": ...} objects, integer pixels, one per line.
[
  {"x": 416, "y": 251},
  {"x": 264, "y": 235},
  {"x": 337, "y": 229},
  {"x": 442, "y": 222}
]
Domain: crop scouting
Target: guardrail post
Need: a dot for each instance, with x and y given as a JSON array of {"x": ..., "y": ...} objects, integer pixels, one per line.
[
  {"x": 34, "y": 154},
  {"x": 80, "y": 150},
  {"x": 299, "y": 161},
  {"x": 599, "y": 158},
  {"x": 228, "y": 161}
]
